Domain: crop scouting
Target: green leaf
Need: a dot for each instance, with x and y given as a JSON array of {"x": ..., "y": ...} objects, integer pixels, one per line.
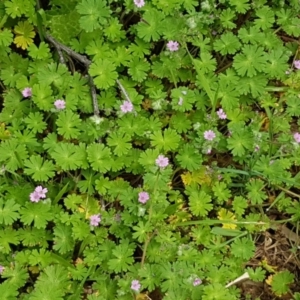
[
  {"x": 8, "y": 292},
  {"x": 252, "y": 60},
  {"x": 138, "y": 69},
  {"x": 7, "y": 237},
  {"x": 239, "y": 205},
  {"x": 80, "y": 230},
  {"x": 255, "y": 85},
  {"x": 94, "y": 14},
  {"x": 42, "y": 96},
  {"x": 9, "y": 211},
  {"x": 227, "y": 44},
  {"x": 41, "y": 52},
  {"x": 243, "y": 248},
  {"x": 265, "y": 18},
  {"x": 30, "y": 236},
  {"x": 123, "y": 257},
  {"x": 12, "y": 153},
  {"x": 142, "y": 229},
  {"x": 258, "y": 274},
  {"x": 255, "y": 191},
  {"x": 38, "y": 168},
  {"x": 16, "y": 276},
  {"x": 168, "y": 140},
  {"x": 239, "y": 142},
  {"x": 99, "y": 157},
  {"x": 241, "y": 6},
  {"x": 35, "y": 122},
  {"x": 68, "y": 124},
  {"x": 221, "y": 191},
  {"x": 200, "y": 203},
  {"x": 180, "y": 122},
  {"x": 206, "y": 63},
  {"x": 55, "y": 75},
  {"x": 150, "y": 28},
  {"x": 226, "y": 18},
  {"x": 52, "y": 284},
  {"x": 104, "y": 73},
  {"x": 6, "y": 37},
  {"x": 277, "y": 64},
  {"x": 67, "y": 156},
  {"x": 38, "y": 213},
  {"x": 120, "y": 143},
  {"x": 63, "y": 241},
  {"x": 189, "y": 158},
  {"x": 281, "y": 281}
]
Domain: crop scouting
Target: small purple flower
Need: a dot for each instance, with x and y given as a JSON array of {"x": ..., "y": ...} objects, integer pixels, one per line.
[
  {"x": 162, "y": 161},
  {"x": 173, "y": 46},
  {"x": 139, "y": 3},
  {"x": 1, "y": 269},
  {"x": 297, "y": 64},
  {"x": 135, "y": 285},
  {"x": 41, "y": 191},
  {"x": 95, "y": 220},
  {"x": 256, "y": 148},
  {"x": 143, "y": 197},
  {"x": 209, "y": 135},
  {"x": 126, "y": 106},
  {"x": 297, "y": 137},
  {"x": 221, "y": 114},
  {"x": 60, "y": 104},
  {"x": 27, "y": 92},
  {"x": 180, "y": 101},
  {"x": 208, "y": 151},
  {"x": 197, "y": 281},
  {"x": 38, "y": 193},
  {"x": 34, "y": 197}
]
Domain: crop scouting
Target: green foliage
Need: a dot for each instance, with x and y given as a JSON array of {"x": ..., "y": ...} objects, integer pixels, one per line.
[
  {"x": 126, "y": 181},
  {"x": 281, "y": 281}
]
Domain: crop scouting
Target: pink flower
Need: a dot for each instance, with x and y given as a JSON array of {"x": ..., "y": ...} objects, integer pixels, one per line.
[
  {"x": 297, "y": 64},
  {"x": 1, "y": 269},
  {"x": 143, "y": 197},
  {"x": 135, "y": 285},
  {"x": 95, "y": 220},
  {"x": 38, "y": 193},
  {"x": 173, "y": 46},
  {"x": 297, "y": 137},
  {"x": 60, "y": 104},
  {"x": 221, "y": 114},
  {"x": 209, "y": 135},
  {"x": 41, "y": 191},
  {"x": 139, "y": 3},
  {"x": 256, "y": 148},
  {"x": 34, "y": 197},
  {"x": 162, "y": 161},
  {"x": 27, "y": 92},
  {"x": 197, "y": 281},
  {"x": 126, "y": 107}
]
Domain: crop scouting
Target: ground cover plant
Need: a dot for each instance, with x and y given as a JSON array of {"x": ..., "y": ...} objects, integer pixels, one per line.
[{"x": 149, "y": 149}]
